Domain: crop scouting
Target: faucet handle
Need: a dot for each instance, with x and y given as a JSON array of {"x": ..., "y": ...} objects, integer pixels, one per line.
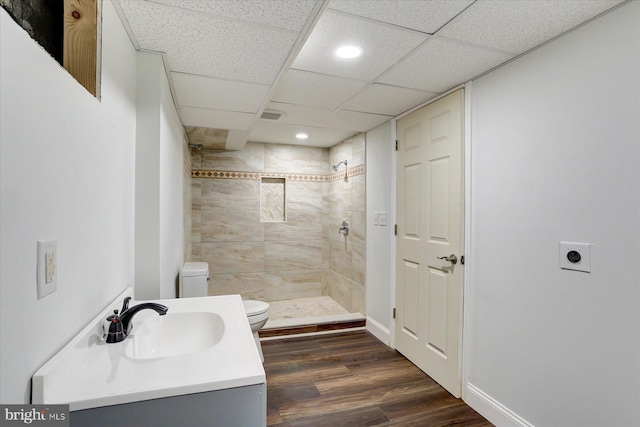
[
  {"x": 125, "y": 305},
  {"x": 113, "y": 329}
]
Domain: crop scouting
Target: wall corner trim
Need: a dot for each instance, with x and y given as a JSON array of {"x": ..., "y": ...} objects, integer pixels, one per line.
[{"x": 491, "y": 409}]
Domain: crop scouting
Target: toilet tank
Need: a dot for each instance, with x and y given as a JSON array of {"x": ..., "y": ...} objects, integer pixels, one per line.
[{"x": 194, "y": 280}]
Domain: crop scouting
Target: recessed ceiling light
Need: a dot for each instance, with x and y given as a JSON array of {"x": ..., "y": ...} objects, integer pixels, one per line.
[
  {"x": 349, "y": 52},
  {"x": 302, "y": 136}
]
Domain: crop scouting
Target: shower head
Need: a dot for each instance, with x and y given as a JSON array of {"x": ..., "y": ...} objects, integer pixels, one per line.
[
  {"x": 335, "y": 167},
  {"x": 196, "y": 146}
]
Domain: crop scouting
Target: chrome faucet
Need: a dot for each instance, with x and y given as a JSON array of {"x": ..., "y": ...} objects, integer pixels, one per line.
[{"x": 118, "y": 326}]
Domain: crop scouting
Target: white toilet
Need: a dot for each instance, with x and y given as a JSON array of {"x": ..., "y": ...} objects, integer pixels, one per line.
[
  {"x": 193, "y": 283},
  {"x": 258, "y": 314}
]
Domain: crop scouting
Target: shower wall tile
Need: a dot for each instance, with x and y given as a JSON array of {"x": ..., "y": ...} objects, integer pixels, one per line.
[
  {"x": 339, "y": 288},
  {"x": 249, "y": 159},
  {"x": 327, "y": 221},
  {"x": 234, "y": 257},
  {"x": 358, "y": 193},
  {"x": 196, "y": 193},
  {"x": 229, "y": 225},
  {"x": 282, "y": 256},
  {"x": 358, "y": 265},
  {"x": 340, "y": 152},
  {"x": 340, "y": 259},
  {"x": 357, "y": 143},
  {"x": 282, "y": 158},
  {"x": 283, "y": 285},
  {"x": 326, "y": 253},
  {"x": 249, "y": 285},
  {"x": 305, "y": 196},
  {"x": 236, "y": 194},
  {"x": 196, "y": 251},
  {"x": 358, "y": 228},
  {"x": 196, "y": 159},
  {"x": 358, "y": 298},
  {"x": 300, "y": 226},
  {"x": 196, "y": 226},
  {"x": 187, "y": 209},
  {"x": 336, "y": 197},
  {"x": 325, "y": 196},
  {"x": 345, "y": 192}
]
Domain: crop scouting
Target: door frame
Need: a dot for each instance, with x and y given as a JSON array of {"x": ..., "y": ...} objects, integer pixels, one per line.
[{"x": 466, "y": 224}]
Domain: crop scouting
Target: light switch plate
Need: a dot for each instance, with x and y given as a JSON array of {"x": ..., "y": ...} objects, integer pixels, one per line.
[
  {"x": 575, "y": 256},
  {"x": 383, "y": 218},
  {"x": 47, "y": 268},
  {"x": 376, "y": 218}
]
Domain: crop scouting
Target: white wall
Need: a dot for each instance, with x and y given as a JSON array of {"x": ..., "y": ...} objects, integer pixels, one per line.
[
  {"x": 172, "y": 141},
  {"x": 556, "y": 157},
  {"x": 67, "y": 172},
  {"x": 379, "y": 154},
  {"x": 159, "y": 192},
  {"x": 147, "y": 184}
]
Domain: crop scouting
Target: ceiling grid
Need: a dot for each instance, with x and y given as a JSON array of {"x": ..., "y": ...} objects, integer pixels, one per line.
[{"x": 231, "y": 59}]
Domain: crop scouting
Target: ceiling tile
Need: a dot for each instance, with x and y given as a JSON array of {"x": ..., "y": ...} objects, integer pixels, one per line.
[
  {"x": 216, "y": 94},
  {"x": 426, "y": 16},
  {"x": 316, "y": 90},
  {"x": 201, "y": 117},
  {"x": 441, "y": 64},
  {"x": 285, "y": 14},
  {"x": 384, "y": 99},
  {"x": 299, "y": 114},
  {"x": 382, "y": 46},
  {"x": 277, "y": 133},
  {"x": 198, "y": 44},
  {"x": 354, "y": 121},
  {"x": 519, "y": 26}
]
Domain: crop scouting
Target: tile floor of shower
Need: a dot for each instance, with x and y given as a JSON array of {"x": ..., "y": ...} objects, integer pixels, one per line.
[{"x": 307, "y": 311}]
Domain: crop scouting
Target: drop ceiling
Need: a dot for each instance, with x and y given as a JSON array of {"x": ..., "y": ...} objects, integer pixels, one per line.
[{"x": 230, "y": 60}]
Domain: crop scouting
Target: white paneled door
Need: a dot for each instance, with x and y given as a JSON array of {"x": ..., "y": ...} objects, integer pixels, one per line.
[{"x": 430, "y": 229}]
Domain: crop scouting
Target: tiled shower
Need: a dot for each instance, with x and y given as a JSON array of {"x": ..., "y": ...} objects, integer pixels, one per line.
[{"x": 266, "y": 220}]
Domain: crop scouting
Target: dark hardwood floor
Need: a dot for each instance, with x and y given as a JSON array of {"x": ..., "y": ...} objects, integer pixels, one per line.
[{"x": 352, "y": 379}]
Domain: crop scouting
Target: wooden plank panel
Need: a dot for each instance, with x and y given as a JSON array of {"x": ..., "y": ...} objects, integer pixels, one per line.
[{"x": 81, "y": 41}]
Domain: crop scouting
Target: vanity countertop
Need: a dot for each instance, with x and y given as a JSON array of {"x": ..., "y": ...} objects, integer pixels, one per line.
[{"x": 89, "y": 373}]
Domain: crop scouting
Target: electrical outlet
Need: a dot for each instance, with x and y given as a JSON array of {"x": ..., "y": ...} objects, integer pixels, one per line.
[
  {"x": 575, "y": 256},
  {"x": 47, "y": 276},
  {"x": 49, "y": 266}
]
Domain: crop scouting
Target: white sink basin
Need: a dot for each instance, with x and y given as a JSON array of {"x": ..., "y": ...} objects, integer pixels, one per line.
[
  {"x": 201, "y": 345},
  {"x": 174, "y": 334}
]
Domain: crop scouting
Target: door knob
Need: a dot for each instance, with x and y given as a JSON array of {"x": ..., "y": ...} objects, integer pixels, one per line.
[{"x": 453, "y": 259}]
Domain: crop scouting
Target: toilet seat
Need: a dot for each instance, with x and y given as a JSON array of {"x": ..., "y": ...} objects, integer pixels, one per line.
[{"x": 255, "y": 308}]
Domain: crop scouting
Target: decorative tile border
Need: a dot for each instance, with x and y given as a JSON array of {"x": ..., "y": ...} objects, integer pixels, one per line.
[
  {"x": 215, "y": 174},
  {"x": 358, "y": 170}
]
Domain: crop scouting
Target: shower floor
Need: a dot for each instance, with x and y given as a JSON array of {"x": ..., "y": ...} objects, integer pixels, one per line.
[{"x": 308, "y": 311}]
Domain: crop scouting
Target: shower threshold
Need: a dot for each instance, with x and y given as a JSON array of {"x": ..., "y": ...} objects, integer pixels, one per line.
[{"x": 309, "y": 316}]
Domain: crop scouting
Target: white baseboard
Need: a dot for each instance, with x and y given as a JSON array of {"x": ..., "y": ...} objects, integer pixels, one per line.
[
  {"x": 491, "y": 409},
  {"x": 378, "y": 331}
]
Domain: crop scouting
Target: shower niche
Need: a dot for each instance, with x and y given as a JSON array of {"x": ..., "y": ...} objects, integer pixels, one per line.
[{"x": 273, "y": 199}]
